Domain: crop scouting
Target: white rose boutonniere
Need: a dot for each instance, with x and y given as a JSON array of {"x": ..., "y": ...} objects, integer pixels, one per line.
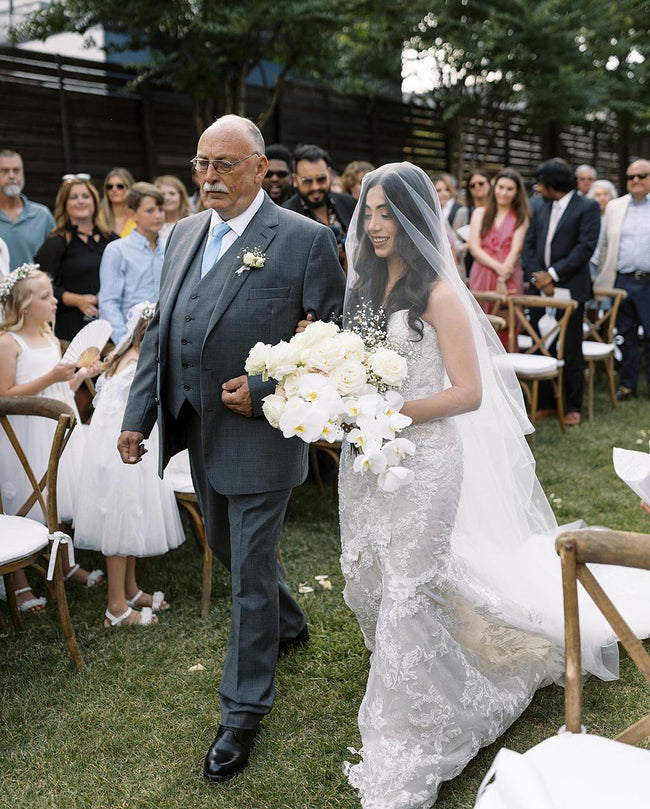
[{"x": 252, "y": 260}]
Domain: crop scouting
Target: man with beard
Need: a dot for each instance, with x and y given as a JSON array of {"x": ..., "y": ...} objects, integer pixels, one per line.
[
  {"x": 277, "y": 183},
  {"x": 24, "y": 225},
  {"x": 313, "y": 179}
]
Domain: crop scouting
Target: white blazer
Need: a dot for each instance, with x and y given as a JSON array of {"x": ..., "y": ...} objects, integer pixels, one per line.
[{"x": 608, "y": 258}]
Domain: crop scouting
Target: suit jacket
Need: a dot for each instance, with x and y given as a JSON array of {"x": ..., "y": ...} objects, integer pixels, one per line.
[
  {"x": 344, "y": 206},
  {"x": 608, "y": 255},
  {"x": 572, "y": 245},
  {"x": 301, "y": 275}
]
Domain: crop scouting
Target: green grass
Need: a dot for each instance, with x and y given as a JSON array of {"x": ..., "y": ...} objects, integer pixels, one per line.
[{"x": 130, "y": 730}]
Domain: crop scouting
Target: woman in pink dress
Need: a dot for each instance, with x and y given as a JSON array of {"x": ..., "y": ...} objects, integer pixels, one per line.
[{"x": 497, "y": 235}]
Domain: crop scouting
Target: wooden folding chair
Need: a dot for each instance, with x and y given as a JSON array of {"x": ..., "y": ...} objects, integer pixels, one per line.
[
  {"x": 189, "y": 502},
  {"x": 599, "y": 331},
  {"x": 537, "y": 363},
  {"x": 605, "y": 547},
  {"x": 23, "y": 541}
]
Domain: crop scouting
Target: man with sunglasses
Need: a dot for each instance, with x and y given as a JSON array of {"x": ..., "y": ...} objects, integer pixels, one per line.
[
  {"x": 24, "y": 225},
  {"x": 625, "y": 263},
  {"x": 315, "y": 198},
  {"x": 278, "y": 182}
]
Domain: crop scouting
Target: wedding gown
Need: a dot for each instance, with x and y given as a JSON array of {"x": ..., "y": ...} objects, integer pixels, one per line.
[{"x": 444, "y": 678}]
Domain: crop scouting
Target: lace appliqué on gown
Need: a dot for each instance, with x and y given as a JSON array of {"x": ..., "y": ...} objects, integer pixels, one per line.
[{"x": 444, "y": 680}]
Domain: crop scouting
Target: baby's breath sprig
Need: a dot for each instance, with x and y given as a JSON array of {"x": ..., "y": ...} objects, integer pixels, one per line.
[{"x": 7, "y": 284}]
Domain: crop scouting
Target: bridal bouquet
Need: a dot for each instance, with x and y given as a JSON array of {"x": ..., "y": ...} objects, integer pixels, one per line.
[{"x": 333, "y": 386}]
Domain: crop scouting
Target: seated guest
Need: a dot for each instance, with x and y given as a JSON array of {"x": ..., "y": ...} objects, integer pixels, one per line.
[
  {"x": 352, "y": 175},
  {"x": 114, "y": 204},
  {"x": 176, "y": 202},
  {"x": 131, "y": 267},
  {"x": 72, "y": 253},
  {"x": 312, "y": 177},
  {"x": 277, "y": 183}
]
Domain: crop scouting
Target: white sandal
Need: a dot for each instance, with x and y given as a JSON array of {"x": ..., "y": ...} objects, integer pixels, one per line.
[
  {"x": 30, "y": 605},
  {"x": 95, "y": 577},
  {"x": 146, "y": 618},
  {"x": 158, "y": 603}
]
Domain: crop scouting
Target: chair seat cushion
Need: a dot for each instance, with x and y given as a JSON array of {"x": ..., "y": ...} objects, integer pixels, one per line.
[
  {"x": 20, "y": 537},
  {"x": 533, "y": 364},
  {"x": 592, "y": 350}
]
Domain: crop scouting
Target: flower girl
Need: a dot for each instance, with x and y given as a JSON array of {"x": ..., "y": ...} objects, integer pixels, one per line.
[
  {"x": 125, "y": 511},
  {"x": 30, "y": 365}
]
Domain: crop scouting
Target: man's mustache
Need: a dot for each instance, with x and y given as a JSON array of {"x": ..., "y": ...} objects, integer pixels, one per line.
[{"x": 212, "y": 187}]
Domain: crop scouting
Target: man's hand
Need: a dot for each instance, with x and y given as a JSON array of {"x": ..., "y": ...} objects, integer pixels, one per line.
[
  {"x": 544, "y": 282},
  {"x": 236, "y": 395},
  {"x": 130, "y": 447},
  {"x": 302, "y": 324}
]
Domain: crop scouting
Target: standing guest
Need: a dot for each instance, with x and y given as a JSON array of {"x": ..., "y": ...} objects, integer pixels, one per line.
[
  {"x": 190, "y": 379},
  {"x": 557, "y": 248},
  {"x": 72, "y": 253},
  {"x": 585, "y": 178},
  {"x": 603, "y": 192},
  {"x": 278, "y": 183},
  {"x": 315, "y": 199},
  {"x": 114, "y": 206},
  {"x": 476, "y": 192},
  {"x": 452, "y": 210},
  {"x": 496, "y": 237},
  {"x": 176, "y": 202},
  {"x": 625, "y": 257},
  {"x": 24, "y": 225},
  {"x": 352, "y": 175},
  {"x": 131, "y": 267}
]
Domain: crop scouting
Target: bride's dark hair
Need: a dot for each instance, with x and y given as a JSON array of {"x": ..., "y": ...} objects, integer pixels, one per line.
[{"x": 404, "y": 188}]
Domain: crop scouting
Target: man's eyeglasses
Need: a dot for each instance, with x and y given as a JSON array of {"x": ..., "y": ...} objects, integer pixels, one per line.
[
  {"x": 320, "y": 180},
  {"x": 639, "y": 175},
  {"x": 201, "y": 164},
  {"x": 118, "y": 186},
  {"x": 279, "y": 174},
  {"x": 70, "y": 178}
]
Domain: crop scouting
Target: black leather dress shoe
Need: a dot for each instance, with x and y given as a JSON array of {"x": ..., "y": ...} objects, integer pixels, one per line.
[
  {"x": 288, "y": 645},
  {"x": 623, "y": 394},
  {"x": 229, "y": 753}
]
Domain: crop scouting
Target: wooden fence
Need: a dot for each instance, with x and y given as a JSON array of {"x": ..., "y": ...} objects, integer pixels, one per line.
[{"x": 71, "y": 115}]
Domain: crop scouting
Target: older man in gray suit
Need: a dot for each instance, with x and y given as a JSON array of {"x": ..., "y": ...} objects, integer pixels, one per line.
[{"x": 213, "y": 307}]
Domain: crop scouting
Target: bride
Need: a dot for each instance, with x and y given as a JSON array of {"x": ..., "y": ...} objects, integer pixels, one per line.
[{"x": 454, "y": 579}]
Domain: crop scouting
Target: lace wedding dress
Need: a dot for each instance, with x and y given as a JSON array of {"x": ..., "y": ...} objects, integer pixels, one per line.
[{"x": 445, "y": 679}]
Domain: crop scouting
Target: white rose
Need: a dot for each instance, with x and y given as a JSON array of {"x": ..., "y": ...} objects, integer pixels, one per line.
[
  {"x": 291, "y": 383},
  {"x": 389, "y": 366},
  {"x": 325, "y": 355},
  {"x": 352, "y": 346},
  {"x": 282, "y": 360},
  {"x": 249, "y": 259},
  {"x": 350, "y": 377},
  {"x": 258, "y": 261},
  {"x": 319, "y": 330},
  {"x": 256, "y": 360},
  {"x": 273, "y": 407}
]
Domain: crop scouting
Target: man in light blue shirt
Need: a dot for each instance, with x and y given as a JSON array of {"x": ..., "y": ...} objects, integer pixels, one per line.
[
  {"x": 131, "y": 267},
  {"x": 24, "y": 225}
]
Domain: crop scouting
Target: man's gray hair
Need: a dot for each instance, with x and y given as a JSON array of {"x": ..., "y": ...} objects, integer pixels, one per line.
[
  {"x": 248, "y": 127},
  {"x": 586, "y": 167},
  {"x": 9, "y": 153}
]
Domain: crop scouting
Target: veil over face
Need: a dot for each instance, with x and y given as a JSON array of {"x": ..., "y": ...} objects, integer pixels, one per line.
[{"x": 505, "y": 528}]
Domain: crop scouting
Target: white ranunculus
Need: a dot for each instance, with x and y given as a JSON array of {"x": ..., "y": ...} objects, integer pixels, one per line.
[
  {"x": 273, "y": 407},
  {"x": 282, "y": 360},
  {"x": 389, "y": 366},
  {"x": 290, "y": 383},
  {"x": 376, "y": 463},
  {"x": 304, "y": 419},
  {"x": 394, "y": 477},
  {"x": 319, "y": 330},
  {"x": 396, "y": 450},
  {"x": 258, "y": 261},
  {"x": 350, "y": 377},
  {"x": 256, "y": 360},
  {"x": 249, "y": 259},
  {"x": 325, "y": 355},
  {"x": 352, "y": 346}
]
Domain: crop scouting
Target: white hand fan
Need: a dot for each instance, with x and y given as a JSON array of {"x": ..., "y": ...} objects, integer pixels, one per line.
[{"x": 88, "y": 343}]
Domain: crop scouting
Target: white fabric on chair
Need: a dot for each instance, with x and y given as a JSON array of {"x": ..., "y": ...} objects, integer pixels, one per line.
[
  {"x": 19, "y": 537},
  {"x": 533, "y": 363},
  {"x": 568, "y": 771},
  {"x": 593, "y": 350},
  {"x": 178, "y": 472}
]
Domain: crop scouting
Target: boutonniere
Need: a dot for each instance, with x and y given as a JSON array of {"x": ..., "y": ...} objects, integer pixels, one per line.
[{"x": 252, "y": 260}]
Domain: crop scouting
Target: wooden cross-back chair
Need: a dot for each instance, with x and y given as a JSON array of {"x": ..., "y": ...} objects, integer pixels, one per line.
[
  {"x": 494, "y": 304},
  {"x": 23, "y": 541},
  {"x": 598, "y": 346},
  {"x": 605, "y": 547},
  {"x": 536, "y": 363}
]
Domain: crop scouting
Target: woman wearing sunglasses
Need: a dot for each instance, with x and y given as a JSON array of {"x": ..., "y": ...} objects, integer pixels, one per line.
[{"x": 113, "y": 205}]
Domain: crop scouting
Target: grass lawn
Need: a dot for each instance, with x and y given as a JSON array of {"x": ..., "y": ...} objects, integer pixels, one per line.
[{"x": 131, "y": 729}]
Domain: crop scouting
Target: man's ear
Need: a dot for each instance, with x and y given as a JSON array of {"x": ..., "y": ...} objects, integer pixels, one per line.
[{"x": 131, "y": 213}]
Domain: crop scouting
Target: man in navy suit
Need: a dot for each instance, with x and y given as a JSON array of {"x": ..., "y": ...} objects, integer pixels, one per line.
[{"x": 559, "y": 242}]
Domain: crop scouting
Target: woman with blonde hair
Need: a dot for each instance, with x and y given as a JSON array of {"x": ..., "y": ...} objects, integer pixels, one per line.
[
  {"x": 72, "y": 253},
  {"x": 177, "y": 203},
  {"x": 352, "y": 175},
  {"x": 113, "y": 206}
]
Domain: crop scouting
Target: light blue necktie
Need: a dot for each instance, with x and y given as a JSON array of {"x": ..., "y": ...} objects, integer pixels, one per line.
[{"x": 212, "y": 247}]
